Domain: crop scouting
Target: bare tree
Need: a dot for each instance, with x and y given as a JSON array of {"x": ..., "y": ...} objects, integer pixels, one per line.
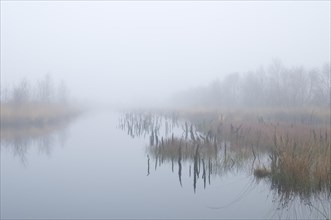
[
  {"x": 230, "y": 89},
  {"x": 297, "y": 85},
  {"x": 320, "y": 86},
  {"x": 4, "y": 94},
  {"x": 21, "y": 92},
  {"x": 45, "y": 89},
  {"x": 252, "y": 89},
  {"x": 325, "y": 81},
  {"x": 279, "y": 86},
  {"x": 63, "y": 93}
]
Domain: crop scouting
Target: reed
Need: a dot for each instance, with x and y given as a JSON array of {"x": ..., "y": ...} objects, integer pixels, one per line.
[{"x": 301, "y": 168}]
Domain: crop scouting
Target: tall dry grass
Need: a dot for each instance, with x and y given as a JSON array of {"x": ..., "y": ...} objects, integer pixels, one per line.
[
  {"x": 301, "y": 167},
  {"x": 297, "y": 141}
]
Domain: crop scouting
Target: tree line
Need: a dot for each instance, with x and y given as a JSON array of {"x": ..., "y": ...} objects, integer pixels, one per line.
[
  {"x": 45, "y": 90},
  {"x": 275, "y": 86}
]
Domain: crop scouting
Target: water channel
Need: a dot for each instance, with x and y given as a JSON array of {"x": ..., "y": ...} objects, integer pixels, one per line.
[{"x": 121, "y": 165}]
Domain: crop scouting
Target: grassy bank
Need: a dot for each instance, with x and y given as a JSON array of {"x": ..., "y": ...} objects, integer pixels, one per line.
[{"x": 35, "y": 114}]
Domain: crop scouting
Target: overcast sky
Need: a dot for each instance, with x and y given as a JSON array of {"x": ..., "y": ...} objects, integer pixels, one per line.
[{"x": 115, "y": 51}]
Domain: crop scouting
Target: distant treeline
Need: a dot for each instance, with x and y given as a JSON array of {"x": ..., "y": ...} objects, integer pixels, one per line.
[
  {"x": 44, "y": 91},
  {"x": 275, "y": 86}
]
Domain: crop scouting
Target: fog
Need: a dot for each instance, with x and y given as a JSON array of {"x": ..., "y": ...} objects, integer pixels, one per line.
[
  {"x": 165, "y": 109},
  {"x": 144, "y": 52}
]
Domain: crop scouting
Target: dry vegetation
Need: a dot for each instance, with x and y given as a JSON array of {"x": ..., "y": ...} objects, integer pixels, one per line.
[
  {"x": 34, "y": 114},
  {"x": 302, "y": 166},
  {"x": 296, "y": 140},
  {"x": 33, "y": 120},
  {"x": 44, "y": 103}
]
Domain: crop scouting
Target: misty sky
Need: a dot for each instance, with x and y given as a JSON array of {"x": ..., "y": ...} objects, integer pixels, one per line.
[{"x": 116, "y": 51}]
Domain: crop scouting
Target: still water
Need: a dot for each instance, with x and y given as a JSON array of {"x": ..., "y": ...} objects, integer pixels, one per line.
[{"x": 100, "y": 167}]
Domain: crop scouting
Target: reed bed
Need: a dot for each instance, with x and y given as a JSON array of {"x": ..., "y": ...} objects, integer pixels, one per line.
[
  {"x": 34, "y": 114},
  {"x": 296, "y": 143},
  {"x": 296, "y": 140},
  {"x": 301, "y": 168},
  {"x": 288, "y": 149}
]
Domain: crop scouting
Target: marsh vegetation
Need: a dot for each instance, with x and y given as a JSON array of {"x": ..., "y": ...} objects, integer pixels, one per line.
[
  {"x": 288, "y": 150},
  {"x": 283, "y": 144},
  {"x": 35, "y": 105},
  {"x": 165, "y": 110},
  {"x": 34, "y": 113}
]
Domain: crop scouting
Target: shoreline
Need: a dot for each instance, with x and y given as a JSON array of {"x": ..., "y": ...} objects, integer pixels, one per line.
[{"x": 35, "y": 114}]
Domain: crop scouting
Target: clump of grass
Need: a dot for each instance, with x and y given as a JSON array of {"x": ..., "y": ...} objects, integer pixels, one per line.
[
  {"x": 261, "y": 172},
  {"x": 301, "y": 168}
]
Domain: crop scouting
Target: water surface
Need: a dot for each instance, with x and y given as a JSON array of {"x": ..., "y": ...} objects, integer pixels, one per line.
[{"x": 94, "y": 168}]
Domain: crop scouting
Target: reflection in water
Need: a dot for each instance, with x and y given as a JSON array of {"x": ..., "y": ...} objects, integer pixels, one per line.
[
  {"x": 19, "y": 140},
  {"x": 182, "y": 145},
  {"x": 148, "y": 165},
  {"x": 149, "y": 124},
  {"x": 202, "y": 159},
  {"x": 207, "y": 156},
  {"x": 180, "y": 166}
]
